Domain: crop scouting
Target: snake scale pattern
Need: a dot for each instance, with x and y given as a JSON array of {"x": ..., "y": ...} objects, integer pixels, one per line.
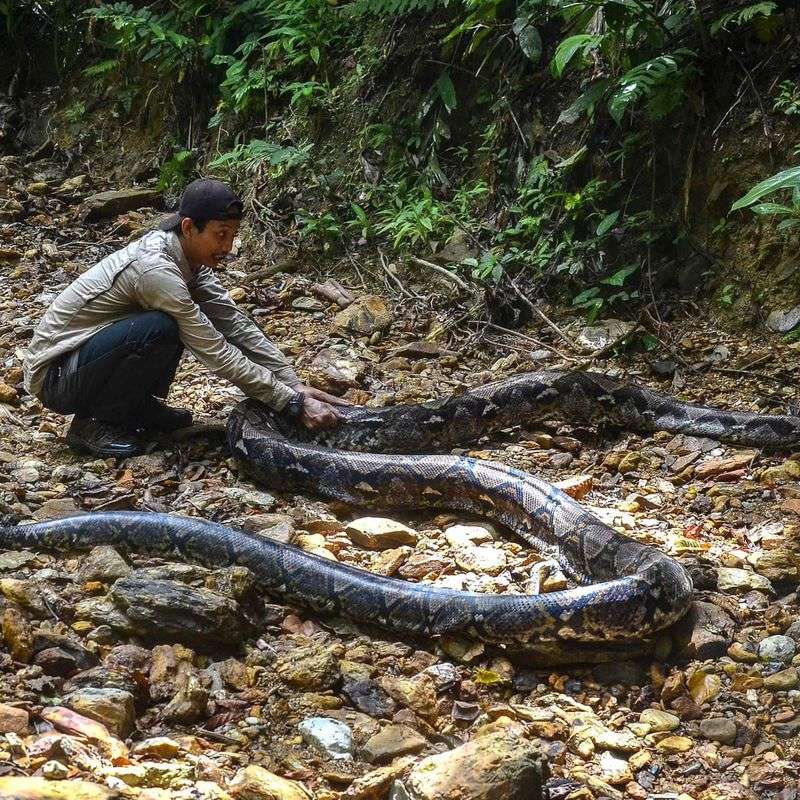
[{"x": 626, "y": 591}]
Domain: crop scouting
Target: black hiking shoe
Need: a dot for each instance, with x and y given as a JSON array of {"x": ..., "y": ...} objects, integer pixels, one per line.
[
  {"x": 157, "y": 415},
  {"x": 89, "y": 435}
]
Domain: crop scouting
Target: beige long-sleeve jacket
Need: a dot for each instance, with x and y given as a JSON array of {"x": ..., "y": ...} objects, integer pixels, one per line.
[{"x": 152, "y": 273}]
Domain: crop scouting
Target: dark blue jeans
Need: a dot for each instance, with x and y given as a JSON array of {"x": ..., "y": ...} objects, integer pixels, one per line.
[{"x": 115, "y": 373}]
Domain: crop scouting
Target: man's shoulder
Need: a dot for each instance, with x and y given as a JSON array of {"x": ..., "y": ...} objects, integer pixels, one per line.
[{"x": 156, "y": 251}]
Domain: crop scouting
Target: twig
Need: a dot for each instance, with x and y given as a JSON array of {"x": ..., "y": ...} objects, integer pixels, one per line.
[
  {"x": 394, "y": 277},
  {"x": 530, "y": 339},
  {"x": 544, "y": 318},
  {"x": 441, "y": 271}
]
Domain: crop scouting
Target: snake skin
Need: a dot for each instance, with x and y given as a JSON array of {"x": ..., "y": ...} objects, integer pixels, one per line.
[{"x": 626, "y": 590}]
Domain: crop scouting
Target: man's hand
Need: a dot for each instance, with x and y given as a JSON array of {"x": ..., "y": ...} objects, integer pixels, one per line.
[
  {"x": 317, "y": 415},
  {"x": 323, "y": 397}
]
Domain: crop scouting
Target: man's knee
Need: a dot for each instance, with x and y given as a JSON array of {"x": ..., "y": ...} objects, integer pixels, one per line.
[{"x": 162, "y": 328}]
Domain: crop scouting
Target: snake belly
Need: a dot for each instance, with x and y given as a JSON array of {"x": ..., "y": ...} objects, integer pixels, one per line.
[{"x": 626, "y": 590}]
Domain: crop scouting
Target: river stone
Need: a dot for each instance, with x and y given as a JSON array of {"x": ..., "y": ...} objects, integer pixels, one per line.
[
  {"x": 659, "y": 720},
  {"x": 782, "y": 681},
  {"x": 719, "y": 729},
  {"x": 13, "y": 720},
  {"x": 314, "y": 667},
  {"x": 366, "y": 315},
  {"x": 167, "y": 610},
  {"x": 257, "y": 783},
  {"x": 34, "y": 788},
  {"x": 15, "y": 559},
  {"x": 735, "y": 580},
  {"x": 783, "y": 320},
  {"x": 58, "y": 507},
  {"x": 604, "y": 334},
  {"x": 458, "y": 535},
  {"x": 109, "y": 204},
  {"x": 380, "y": 533},
  {"x": 113, "y": 707},
  {"x": 417, "y": 693},
  {"x": 777, "y": 648},
  {"x": 332, "y": 738},
  {"x": 501, "y": 764},
  {"x": 103, "y": 563},
  {"x": 486, "y": 559},
  {"x": 392, "y": 741},
  {"x": 369, "y": 698}
]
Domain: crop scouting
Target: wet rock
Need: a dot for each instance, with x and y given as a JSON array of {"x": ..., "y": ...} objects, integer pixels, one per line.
[
  {"x": 777, "y": 648},
  {"x": 312, "y": 667},
  {"x": 332, "y": 738},
  {"x": 13, "y": 720},
  {"x": 257, "y": 783},
  {"x": 113, "y": 707},
  {"x": 112, "y": 203},
  {"x": 392, "y": 741},
  {"x": 498, "y": 765},
  {"x": 380, "y": 533},
  {"x": 161, "y": 609},
  {"x": 367, "y": 315},
  {"x": 103, "y": 563},
  {"x": 369, "y": 698},
  {"x": 336, "y": 371},
  {"x": 704, "y": 632},
  {"x": 719, "y": 729}
]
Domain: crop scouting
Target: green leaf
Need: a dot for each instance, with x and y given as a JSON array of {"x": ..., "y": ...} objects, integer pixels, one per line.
[
  {"x": 586, "y": 295},
  {"x": 649, "y": 342},
  {"x": 788, "y": 179},
  {"x": 620, "y": 276},
  {"x": 607, "y": 223},
  {"x": 530, "y": 41},
  {"x": 315, "y": 55},
  {"x": 569, "y": 47},
  {"x": 446, "y": 90},
  {"x": 771, "y": 208}
]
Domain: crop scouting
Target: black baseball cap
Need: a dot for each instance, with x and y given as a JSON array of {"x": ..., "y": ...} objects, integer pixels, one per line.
[{"x": 205, "y": 199}]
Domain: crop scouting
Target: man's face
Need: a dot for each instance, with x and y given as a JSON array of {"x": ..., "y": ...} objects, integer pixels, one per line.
[{"x": 212, "y": 244}]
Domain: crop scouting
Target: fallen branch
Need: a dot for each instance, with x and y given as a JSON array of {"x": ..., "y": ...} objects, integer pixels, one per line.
[{"x": 445, "y": 273}]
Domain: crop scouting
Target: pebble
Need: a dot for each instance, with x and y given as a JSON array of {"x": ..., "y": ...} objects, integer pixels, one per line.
[
  {"x": 719, "y": 729},
  {"x": 332, "y": 738},
  {"x": 777, "y": 648},
  {"x": 659, "y": 720},
  {"x": 380, "y": 533},
  {"x": 391, "y": 741},
  {"x": 731, "y": 580}
]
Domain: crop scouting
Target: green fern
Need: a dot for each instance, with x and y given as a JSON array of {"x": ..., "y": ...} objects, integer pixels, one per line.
[
  {"x": 743, "y": 16},
  {"x": 395, "y": 8}
]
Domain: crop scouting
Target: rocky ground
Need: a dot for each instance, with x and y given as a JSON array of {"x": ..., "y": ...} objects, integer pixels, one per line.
[{"x": 135, "y": 677}]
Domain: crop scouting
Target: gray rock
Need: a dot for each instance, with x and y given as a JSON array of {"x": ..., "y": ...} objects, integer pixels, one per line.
[
  {"x": 103, "y": 563},
  {"x": 332, "y": 738},
  {"x": 369, "y": 698},
  {"x": 63, "y": 648},
  {"x": 719, "y": 729},
  {"x": 392, "y": 741},
  {"x": 166, "y": 610},
  {"x": 604, "y": 334},
  {"x": 14, "y": 559},
  {"x": 503, "y": 764},
  {"x": 102, "y": 677},
  {"x": 782, "y": 321},
  {"x": 110, "y": 204},
  {"x": 706, "y": 631},
  {"x": 793, "y": 631},
  {"x": 777, "y": 648}
]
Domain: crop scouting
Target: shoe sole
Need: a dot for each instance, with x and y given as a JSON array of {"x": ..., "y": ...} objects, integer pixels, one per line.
[{"x": 83, "y": 447}]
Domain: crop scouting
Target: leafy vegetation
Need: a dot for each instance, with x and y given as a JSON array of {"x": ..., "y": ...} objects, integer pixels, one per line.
[{"x": 405, "y": 124}]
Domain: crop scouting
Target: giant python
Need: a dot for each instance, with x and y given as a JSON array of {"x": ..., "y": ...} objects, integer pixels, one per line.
[{"x": 626, "y": 591}]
